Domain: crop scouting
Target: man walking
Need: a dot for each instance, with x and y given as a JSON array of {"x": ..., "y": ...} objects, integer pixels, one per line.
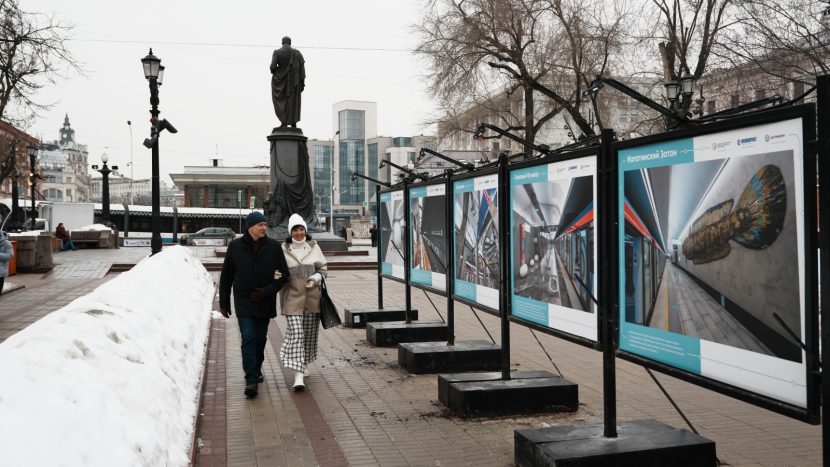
[{"x": 255, "y": 268}]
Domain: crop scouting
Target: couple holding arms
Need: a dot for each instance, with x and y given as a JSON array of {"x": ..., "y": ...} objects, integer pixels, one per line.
[{"x": 261, "y": 270}]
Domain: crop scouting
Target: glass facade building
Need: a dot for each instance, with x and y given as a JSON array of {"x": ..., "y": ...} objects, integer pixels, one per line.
[
  {"x": 352, "y": 157},
  {"x": 323, "y": 159},
  {"x": 373, "y": 160}
]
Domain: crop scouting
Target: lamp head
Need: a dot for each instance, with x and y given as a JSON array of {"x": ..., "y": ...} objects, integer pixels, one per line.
[
  {"x": 151, "y": 65},
  {"x": 105, "y": 158},
  {"x": 687, "y": 84},
  {"x": 672, "y": 88}
]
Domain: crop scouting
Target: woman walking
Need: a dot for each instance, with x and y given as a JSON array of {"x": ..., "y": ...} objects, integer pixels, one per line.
[
  {"x": 6, "y": 254},
  {"x": 300, "y": 299}
]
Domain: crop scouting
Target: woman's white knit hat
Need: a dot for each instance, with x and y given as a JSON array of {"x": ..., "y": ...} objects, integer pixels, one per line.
[{"x": 296, "y": 220}]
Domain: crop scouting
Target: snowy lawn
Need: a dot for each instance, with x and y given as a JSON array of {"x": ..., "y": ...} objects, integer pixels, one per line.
[{"x": 113, "y": 377}]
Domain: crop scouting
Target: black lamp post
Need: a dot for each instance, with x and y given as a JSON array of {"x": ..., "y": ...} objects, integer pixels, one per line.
[
  {"x": 105, "y": 188},
  {"x": 32, "y": 150},
  {"x": 679, "y": 94},
  {"x": 154, "y": 73},
  {"x": 15, "y": 214}
]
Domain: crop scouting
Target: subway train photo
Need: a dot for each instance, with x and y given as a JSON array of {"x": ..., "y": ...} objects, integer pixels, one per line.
[
  {"x": 553, "y": 242},
  {"x": 710, "y": 250}
]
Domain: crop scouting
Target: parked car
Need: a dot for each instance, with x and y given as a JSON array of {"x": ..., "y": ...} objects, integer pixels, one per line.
[{"x": 222, "y": 233}]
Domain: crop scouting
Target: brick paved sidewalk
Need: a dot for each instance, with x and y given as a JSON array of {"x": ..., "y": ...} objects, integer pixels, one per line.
[
  {"x": 361, "y": 405},
  {"x": 361, "y": 408}
]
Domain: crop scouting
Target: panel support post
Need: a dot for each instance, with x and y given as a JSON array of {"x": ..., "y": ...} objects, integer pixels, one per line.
[
  {"x": 608, "y": 277},
  {"x": 377, "y": 248},
  {"x": 504, "y": 274},
  {"x": 823, "y": 107},
  {"x": 449, "y": 248}
]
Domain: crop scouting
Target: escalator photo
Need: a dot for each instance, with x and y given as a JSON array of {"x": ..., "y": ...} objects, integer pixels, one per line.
[
  {"x": 476, "y": 241},
  {"x": 429, "y": 234},
  {"x": 392, "y": 234}
]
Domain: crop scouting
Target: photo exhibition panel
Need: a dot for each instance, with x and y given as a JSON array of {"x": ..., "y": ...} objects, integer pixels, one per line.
[
  {"x": 553, "y": 250},
  {"x": 712, "y": 256},
  {"x": 391, "y": 245},
  {"x": 476, "y": 237}
]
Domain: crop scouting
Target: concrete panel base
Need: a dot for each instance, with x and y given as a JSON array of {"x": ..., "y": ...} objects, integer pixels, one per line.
[
  {"x": 638, "y": 443},
  {"x": 487, "y": 395},
  {"x": 357, "y": 318},
  {"x": 395, "y": 332},
  {"x": 438, "y": 357}
]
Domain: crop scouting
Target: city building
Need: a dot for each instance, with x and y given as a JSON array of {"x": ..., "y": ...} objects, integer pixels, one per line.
[
  {"x": 65, "y": 168},
  {"x": 14, "y": 160},
  {"x": 217, "y": 186},
  {"x": 356, "y": 148},
  {"x": 123, "y": 189},
  {"x": 625, "y": 115}
]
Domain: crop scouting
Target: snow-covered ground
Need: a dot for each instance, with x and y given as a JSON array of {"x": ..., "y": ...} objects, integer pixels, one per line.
[{"x": 113, "y": 377}]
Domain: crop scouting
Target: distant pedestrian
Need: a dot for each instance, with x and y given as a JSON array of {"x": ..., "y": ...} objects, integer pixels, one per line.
[
  {"x": 6, "y": 255},
  {"x": 349, "y": 236},
  {"x": 343, "y": 231},
  {"x": 64, "y": 237},
  {"x": 300, "y": 299},
  {"x": 373, "y": 234},
  {"x": 255, "y": 268}
]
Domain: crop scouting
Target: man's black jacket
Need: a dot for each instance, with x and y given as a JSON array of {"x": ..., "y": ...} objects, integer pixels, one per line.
[{"x": 246, "y": 271}]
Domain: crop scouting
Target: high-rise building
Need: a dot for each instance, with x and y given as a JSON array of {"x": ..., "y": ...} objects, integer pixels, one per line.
[{"x": 355, "y": 147}]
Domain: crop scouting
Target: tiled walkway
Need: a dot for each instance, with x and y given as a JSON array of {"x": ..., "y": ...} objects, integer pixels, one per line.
[{"x": 361, "y": 408}]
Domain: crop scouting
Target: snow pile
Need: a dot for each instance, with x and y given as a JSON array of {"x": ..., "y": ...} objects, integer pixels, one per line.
[
  {"x": 113, "y": 377},
  {"x": 94, "y": 227}
]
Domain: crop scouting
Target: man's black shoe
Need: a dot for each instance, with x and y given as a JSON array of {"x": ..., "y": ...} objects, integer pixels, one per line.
[
  {"x": 250, "y": 390},
  {"x": 260, "y": 379}
]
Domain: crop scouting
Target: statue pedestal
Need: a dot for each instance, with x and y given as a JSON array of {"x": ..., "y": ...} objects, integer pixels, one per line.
[{"x": 291, "y": 189}]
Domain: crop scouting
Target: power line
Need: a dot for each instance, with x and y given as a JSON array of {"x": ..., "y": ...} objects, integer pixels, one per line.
[{"x": 226, "y": 44}]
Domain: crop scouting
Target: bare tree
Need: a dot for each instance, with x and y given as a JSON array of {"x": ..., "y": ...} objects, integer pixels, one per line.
[
  {"x": 688, "y": 32},
  {"x": 788, "y": 40},
  {"x": 33, "y": 54},
  {"x": 478, "y": 50}
]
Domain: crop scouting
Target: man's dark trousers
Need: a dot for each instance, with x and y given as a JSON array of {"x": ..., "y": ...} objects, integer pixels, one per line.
[{"x": 254, "y": 332}]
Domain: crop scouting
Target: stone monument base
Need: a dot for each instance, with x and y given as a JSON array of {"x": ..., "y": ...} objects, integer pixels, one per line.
[{"x": 291, "y": 189}]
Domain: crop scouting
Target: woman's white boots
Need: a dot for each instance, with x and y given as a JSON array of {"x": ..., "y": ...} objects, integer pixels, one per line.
[{"x": 299, "y": 384}]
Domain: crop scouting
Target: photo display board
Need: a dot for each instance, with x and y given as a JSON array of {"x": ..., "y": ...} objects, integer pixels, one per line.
[
  {"x": 476, "y": 237},
  {"x": 391, "y": 240},
  {"x": 428, "y": 209},
  {"x": 711, "y": 250},
  {"x": 553, "y": 262}
]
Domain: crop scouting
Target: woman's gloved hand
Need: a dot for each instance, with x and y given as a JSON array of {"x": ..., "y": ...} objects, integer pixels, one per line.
[{"x": 314, "y": 280}]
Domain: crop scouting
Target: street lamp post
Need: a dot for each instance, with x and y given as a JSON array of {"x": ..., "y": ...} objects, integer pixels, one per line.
[
  {"x": 132, "y": 167},
  {"x": 154, "y": 73},
  {"x": 105, "y": 188},
  {"x": 239, "y": 205},
  {"x": 334, "y": 152},
  {"x": 32, "y": 150}
]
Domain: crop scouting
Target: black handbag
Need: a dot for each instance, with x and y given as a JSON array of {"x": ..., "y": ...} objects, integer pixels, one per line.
[{"x": 328, "y": 312}]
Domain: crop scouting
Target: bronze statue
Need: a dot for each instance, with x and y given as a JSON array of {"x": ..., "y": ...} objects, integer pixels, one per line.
[{"x": 287, "y": 83}]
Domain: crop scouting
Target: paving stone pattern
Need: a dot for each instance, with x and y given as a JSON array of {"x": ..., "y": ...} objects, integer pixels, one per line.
[{"x": 360, "y": 408}]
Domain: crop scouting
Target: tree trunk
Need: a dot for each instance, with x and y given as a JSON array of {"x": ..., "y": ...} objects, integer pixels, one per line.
[{"x": 530, "y": 131}]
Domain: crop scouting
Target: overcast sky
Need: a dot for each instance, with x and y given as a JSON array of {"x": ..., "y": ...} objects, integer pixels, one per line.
[{"x": 216, "y": 88}]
